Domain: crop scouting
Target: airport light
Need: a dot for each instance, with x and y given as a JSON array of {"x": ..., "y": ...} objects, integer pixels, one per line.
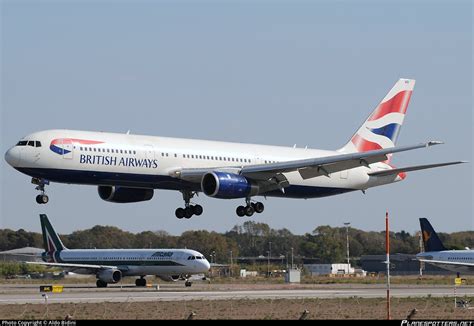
[
  {"x": 291, "y": 257},
  {"x": 268, "y": 264},
  {"x": 347, "y": 243}
]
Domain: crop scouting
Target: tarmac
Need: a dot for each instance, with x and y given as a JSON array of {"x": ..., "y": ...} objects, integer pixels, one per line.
[{"x": 22, "y": 294}]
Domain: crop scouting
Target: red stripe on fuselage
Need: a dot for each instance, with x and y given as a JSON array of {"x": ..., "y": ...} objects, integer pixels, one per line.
[
  {"x": 75, "y": 140},
  {"x": 397, "y": 104}
]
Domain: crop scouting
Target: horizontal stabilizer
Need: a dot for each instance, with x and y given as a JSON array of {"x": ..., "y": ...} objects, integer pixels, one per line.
[{"x": 412, "y": 168}]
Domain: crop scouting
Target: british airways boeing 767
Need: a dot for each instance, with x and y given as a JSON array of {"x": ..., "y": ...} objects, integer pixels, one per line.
[{"x": 128, "y": 168}]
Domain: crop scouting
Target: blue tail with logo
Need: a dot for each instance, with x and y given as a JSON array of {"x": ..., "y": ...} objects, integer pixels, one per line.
[{"x": 431, "y": 240}]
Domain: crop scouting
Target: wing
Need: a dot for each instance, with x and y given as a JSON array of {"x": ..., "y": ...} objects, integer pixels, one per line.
[
  {"x": 92, "y": 268},
  {"x": 272, "y": 174},
  {"x": 412, "y": 168}
]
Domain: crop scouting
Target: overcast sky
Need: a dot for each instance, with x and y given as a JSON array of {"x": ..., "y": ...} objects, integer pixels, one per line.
[{"x": 269, "y": 72}]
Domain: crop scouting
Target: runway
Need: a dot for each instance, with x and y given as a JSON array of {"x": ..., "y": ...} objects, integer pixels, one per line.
[{"x": 31, "y": 294}]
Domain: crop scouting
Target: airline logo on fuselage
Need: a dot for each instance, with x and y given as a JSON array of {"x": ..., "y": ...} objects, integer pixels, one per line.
[
  {"x": 118, "y": 161},
  {"x": 57, "y": 145},
  {"x": 163, "y": 254}
]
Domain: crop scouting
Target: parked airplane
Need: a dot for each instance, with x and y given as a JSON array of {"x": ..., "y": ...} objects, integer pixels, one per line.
[
  {"x": 127, "y": 168},
  {"x": 436, "y": 254},
  {"x": 110, "y": 265}
]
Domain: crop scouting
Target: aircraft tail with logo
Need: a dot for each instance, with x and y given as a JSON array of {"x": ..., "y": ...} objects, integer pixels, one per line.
[
  {"x": 51, "y": 241},
  {"x": 431, "y": 241},
  {"x": 382, "y": 127}
]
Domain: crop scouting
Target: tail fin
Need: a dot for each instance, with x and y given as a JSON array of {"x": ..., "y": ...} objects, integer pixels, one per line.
[
  {"x": 382, "y": 127},
  {"x": 431, "y": 240},
  {"x": 51, "y": 241}
]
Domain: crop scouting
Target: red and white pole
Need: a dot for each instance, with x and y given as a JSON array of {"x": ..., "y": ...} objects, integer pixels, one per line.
[{"x": 387, "y": 247}]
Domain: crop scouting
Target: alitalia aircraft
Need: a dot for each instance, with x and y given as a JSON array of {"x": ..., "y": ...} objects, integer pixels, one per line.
[
  {"x": 109, "y": 265},
  {"x": 128, "y": 168}
]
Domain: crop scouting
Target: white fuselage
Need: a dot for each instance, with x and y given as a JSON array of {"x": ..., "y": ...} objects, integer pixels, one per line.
[
  {"x": 450, "y": 256},
  {"x": 99, "y": 158},
  {"x": 135, "y": 262}
]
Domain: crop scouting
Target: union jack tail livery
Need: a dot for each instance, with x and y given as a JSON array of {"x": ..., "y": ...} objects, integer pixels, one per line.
[{"x": 381, "y": 129}]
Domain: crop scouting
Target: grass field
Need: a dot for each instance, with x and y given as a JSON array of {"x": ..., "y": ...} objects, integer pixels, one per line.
[{"x": 351, "y": 308}]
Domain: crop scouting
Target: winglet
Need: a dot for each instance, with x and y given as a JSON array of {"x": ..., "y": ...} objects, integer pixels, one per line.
[{"x": 434, "y": 142}]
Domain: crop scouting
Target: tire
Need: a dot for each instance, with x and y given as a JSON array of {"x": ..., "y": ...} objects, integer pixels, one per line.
[
  {"x": 179, "y": 213},
  {"x": 188, "y": 212},
  {"x": 188, "y": 284},
  {"x": 38, "y": 199},
  {"x": 249, "y": 210},
  {"x": 258, "y": 207},
  {"x": 240, "y": 211},
  {"x": 197, "y": 210},
  {"x": 140, "y": 282},
  {"x": 101, "y": 284},
  {"x": 44, "y": 199}
]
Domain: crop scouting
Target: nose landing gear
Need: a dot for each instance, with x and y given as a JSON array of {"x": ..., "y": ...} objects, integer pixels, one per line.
[{"x": 40, "y": 183}]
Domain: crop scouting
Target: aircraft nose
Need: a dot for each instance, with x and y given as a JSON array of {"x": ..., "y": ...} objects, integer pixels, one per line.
[
  {"x": 12, "y": 156},
  {"x": 206, "y": 265}
]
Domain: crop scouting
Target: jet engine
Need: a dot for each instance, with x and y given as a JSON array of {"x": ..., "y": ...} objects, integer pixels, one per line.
[
  {"x": 110, "y": 275},
  {"x": 227, "y": 185},
  {"x": 116, "y": 194},
  {"x": 170, "y": 278}
]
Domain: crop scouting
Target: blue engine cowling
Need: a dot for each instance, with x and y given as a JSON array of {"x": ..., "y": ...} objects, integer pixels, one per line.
[{"x": 227, "y": 185}]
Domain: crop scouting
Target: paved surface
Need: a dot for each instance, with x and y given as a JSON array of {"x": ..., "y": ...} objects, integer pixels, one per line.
[{"x": 30, "y": 293}]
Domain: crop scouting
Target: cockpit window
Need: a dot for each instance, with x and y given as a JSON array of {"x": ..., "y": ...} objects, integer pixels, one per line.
[
  {"x": 37, "y": 144},
  {"x": 198, "y": 257},
  {"x": 22, "y": 143},
  {"x": 31, "y": 143}
]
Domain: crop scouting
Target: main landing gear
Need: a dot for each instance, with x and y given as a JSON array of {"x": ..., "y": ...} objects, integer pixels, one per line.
[
  {"x": 40, "y": 183},
  {"x": 140, "y": 281},
  {"x": 189, "y": 210},
  {"x": 250, "y": 208}
]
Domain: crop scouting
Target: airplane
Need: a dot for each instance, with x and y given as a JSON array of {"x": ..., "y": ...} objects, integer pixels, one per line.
[
  {"x": 128, "y": 168},
  {"x": 437, "y": 254},
  {"x": 110, "y": 265}
]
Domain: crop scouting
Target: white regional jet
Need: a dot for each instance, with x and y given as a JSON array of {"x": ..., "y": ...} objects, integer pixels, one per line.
[
  {"x": 109, "y": 265},
  {"x": 127, "y": 168}
]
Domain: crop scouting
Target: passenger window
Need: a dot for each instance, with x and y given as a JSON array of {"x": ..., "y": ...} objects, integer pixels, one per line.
[
  {"x": 38, "y": 144},
  {"x": 175, "y": 155},
  {"x": 108, "y": 150},
  {"x": 121, "y": 151}
]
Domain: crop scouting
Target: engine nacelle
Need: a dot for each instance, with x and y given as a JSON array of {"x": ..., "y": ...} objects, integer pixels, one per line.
[
  {"x": 227, "y": 185},
  {"x": 124, "y": 195},
  {"x": 110, "y": 275},
  {"x": 170, "y": 278}
]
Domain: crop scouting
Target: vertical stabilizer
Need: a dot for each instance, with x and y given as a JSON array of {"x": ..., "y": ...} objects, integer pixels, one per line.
[
  {"x": 382, "y": 127},
  {"x": 51, "y": 240},
  {"x": 431, "y": 240}
]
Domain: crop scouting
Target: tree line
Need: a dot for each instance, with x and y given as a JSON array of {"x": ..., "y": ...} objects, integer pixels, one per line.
[{"x": 324, "y": 244}]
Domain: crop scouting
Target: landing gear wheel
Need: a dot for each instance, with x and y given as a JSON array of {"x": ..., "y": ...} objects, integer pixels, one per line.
[
  {"x": 140, "y": 282},
  {"x": 197, "y": 210},
  {"x": 240, "y": 211},
  {"x": 42, "y": 199},
  {"x": 249, "y": 210},
  {"x": 179, "y": 213},
  {"x": 188, "y": 212},
  {"x": 101, "y": 284},
  {"x": 188, "y": 284},
  {"x": 258, "y": 207}
]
